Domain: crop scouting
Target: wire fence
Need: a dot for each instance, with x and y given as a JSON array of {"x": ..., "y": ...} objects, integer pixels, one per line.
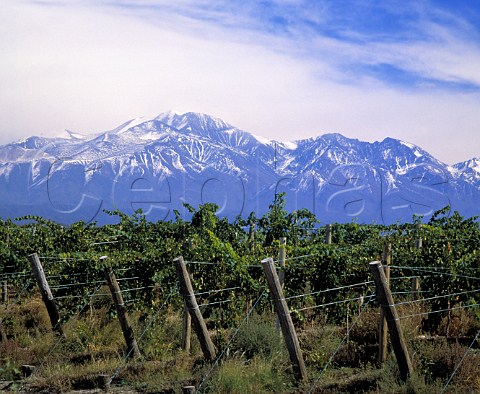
[{"x": 359, "y": 293}]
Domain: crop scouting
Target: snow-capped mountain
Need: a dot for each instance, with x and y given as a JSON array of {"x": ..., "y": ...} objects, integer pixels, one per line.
[
  {"x": 468, "y": 170},
  {"x": 159, "y": 163}
]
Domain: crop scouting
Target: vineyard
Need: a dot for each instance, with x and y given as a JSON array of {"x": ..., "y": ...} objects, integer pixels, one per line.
[{"x": 191, "y": 304}]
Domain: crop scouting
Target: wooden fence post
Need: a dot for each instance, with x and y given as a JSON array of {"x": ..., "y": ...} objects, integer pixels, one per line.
[
  {"x": 418, "y": 241},
  {"x": 45, "y": 291},
  {"x": 282, "y": 254},
  {"x": 27, "y": 370},
  {"x": 251, "y": 237},
  {"x": 132, "y": 346},
  {"x": 3, "y": 334},
  {"x": 328, "y": 234},
  {"x": 191, "y": 302},
  {"x": 103, "y": 382},
  {"x": 286, "y": 323},
  {"x": 383, "y": 328},
  {"x": 251, "y": 247},
  {"x": 187, "y": 324},
  {"x": 186, "y": 329},
  {"x": 415, "y": 288},
  {"x": 415, "y": 281},
  {"x": 4, "y": 292},
  {"x": 385, "y": 299}
]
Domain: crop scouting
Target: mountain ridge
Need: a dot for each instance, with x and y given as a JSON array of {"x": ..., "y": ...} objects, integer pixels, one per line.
[{"x": 159, "y": 163}]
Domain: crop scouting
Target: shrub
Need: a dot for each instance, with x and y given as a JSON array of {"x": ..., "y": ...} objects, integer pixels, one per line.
[
  {"x": 237, "y": 376},
  {"x": 259, "y": 337},
  {"x": 440, "y": 359}
]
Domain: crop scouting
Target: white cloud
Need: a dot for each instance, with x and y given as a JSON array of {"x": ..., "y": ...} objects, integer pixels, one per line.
[{"x": 90, "y": 68}]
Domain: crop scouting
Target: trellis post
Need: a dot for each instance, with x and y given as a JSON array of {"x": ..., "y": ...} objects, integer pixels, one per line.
[
  {"x": 191, "y": 303},
  {"x": 4, "y": 292},
  {"x": 128, "y": 334},
  {"x": 286, "y": 323},
  {"x": 415, "y": 280},
  {"x": 45, "y": 291},
  {"x": 282, "y": 254},
  {"x": 186, "y": 325},
  {"x": 418, "y": 241},
  {"x": 3, "y": 334},
  {"x": 186, "y": 329},
  {"x": 386, "y": 301},
  {"x": 251, "y": 237},
  {"x": 383, "y": 327},
  {"x": 328, "y": 234}
]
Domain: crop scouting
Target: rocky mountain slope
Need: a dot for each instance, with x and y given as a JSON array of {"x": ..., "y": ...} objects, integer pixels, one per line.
[{"x": 159, "y": 163}]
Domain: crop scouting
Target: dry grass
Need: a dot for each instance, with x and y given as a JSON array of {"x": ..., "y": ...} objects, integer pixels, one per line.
[{"x": 256, "y": 362}]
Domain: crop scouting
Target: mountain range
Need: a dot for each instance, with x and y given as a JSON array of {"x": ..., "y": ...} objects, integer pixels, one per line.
[{"x": 159, "y": 163}]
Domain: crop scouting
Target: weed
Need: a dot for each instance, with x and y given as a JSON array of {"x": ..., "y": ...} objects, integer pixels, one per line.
[
  {"x": 238, "y": 376},
  {"x": 259, "y": 337},
  {"x": 440, "y": 359},
  {"x": 8, "y": 370}
]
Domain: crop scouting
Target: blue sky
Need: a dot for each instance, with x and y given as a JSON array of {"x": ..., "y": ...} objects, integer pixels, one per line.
[{"x": 284, "y": 69}]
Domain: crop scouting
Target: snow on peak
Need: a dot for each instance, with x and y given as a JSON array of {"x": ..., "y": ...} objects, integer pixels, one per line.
[
  {"x": 336, "y": 137},
  {"x": 192, "y": 120},
  {"x": 414, "y": 148},
  {"x": 167, "y": 117},
  {"x": 473, "y": 164},
  {"x": 290, "y": 145},
  {"x": 262, "y": 140},
  {"x": 70, "y": 135},
  {"x": 408, "y": 145},
  {"x": 129, "y": 124}
]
